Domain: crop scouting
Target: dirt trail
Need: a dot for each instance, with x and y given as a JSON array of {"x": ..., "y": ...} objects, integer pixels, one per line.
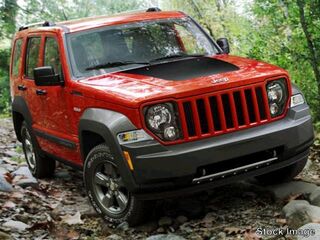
[{"x": 58, "y": 208}]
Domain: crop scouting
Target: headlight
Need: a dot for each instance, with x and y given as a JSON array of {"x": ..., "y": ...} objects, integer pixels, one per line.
[
  {"x": 277, "y": 96},
  {"x": 161, "y": 119}
]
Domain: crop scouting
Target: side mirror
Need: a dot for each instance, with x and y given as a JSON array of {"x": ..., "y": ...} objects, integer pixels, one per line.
[
  {"x": 224, "y": 45},
  {"x": 45, "y": 76}
]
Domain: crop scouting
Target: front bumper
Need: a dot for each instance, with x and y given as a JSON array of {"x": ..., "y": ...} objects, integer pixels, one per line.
[{"x": 172, "y": 169}]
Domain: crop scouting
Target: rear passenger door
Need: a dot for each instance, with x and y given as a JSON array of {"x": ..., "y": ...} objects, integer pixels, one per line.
[{"x": 31, "y": 61}]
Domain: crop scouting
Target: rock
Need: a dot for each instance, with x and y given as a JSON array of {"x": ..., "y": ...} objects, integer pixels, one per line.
[
  {"x": 24, "y": 178},
  {"x": 4, "y": 185},
  {"x": 4, "y": 236},
  {"x": 24, "y": 170},
  {"x": 148, "y": 227},
  {"x": 161, "y": 230},
  {"x": 28, "y": 182},
  {"x": 11, "y": 153},
  {"x": 181, "y": 219},
  {"x": 314, "y": 197},
  {"x": 300, "y": 212},
  {"x": 16, "y": 225},
  {"x": 63, "y": 175},
  {"x": 192, "y": 208},
  {"x": 165, "y": 237},
  {"x": 284, "y": 190},
  {"x": 3, "y": 170},
  {"x": 114, "y": 237},
  {"x": 165, "y": 221},
  {"x": 311, "y": 231},
  {"x": 220, "y": 236},
  {"x": 123, "y": 226}
]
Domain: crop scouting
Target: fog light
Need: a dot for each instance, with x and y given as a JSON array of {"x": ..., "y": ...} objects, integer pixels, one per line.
[
  {"x": 169, "y": 133},
  {"x": 296, "y": 100},
  {"x": 274, "y": 108}
]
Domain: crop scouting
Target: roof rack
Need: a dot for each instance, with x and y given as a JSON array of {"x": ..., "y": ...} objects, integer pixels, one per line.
[
  {"x": 153, "y": 9},
  {"x": 38, "y": 24}
]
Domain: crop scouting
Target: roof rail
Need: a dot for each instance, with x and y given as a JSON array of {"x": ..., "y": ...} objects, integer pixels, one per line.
[
  {"x": 153, "y": 9},
  {"x": 38, "y": 24}
]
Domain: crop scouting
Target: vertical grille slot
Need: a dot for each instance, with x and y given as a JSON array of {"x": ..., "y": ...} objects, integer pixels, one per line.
[
  {"x": 215, "y": 113},
  {"x": 202, "y": 116},
  {"x": 262, "y": 110},
  {"x": 189, "y": 118},
  {"x": 237, "y": 102},
  {"x": 227, "y": 110},
  {"x": 250, "y": 106}
]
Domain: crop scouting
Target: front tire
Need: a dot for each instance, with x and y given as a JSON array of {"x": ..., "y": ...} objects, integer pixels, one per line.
[
  {"x": 107, "y": 192},
  {"x": 282, "y": 175},
  {"x": 39, "y": 165}
]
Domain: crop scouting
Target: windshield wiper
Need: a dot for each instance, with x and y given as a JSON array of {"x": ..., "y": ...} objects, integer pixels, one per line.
[
  {"x": 177, "y": 56},
  {"x": 114, "y": 64}
]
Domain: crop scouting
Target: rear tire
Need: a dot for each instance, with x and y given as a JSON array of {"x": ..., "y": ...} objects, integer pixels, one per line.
[
  {"x": 39, "y": 165},
  {"x": 282, "y": 175},
  {"x": 107, "y": 192}
]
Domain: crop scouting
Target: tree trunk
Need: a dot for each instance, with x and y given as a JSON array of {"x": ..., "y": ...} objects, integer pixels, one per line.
[{"x": 313, "y": 54}]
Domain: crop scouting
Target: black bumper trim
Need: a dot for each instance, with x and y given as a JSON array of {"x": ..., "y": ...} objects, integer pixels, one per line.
[
  {"x": 234, "y": 171},
  {"x": 193, "y": 188}
]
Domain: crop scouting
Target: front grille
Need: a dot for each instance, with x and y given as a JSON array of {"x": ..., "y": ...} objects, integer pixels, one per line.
[{"x": 223, "y": 112}]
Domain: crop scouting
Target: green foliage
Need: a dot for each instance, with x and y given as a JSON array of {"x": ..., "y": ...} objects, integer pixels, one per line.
[
  {"x": 4, "y": 81},
  {"x": 283, "y": 32}
]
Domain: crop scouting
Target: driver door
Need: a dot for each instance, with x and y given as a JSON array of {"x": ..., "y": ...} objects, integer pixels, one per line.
[{"x": 55, "y": 130}]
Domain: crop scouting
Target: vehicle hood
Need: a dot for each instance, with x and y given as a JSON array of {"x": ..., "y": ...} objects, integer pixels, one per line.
[{"x": 130, "y": 88}]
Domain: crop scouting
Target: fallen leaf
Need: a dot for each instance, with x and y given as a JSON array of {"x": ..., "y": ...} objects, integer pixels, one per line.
[
  {"x": 16, "y": 225},
  {"x": 293, "y": 197},
  {"x": 251, "y": 236},
  {"x": 9, "y": 204},
  {"x": 73, "y": 235},
  {"x": 232, "y": 230},
  {"x": 281, "y": 221},
  {"x": 17, "y": 195},
  {"x": 72, "y": 220},
  {"x": 8, "y": 177}
]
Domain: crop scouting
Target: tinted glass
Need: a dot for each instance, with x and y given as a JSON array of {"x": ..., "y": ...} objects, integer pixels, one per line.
[
  {"x": 136, "y": 43},
  {"x": 16, "y": 58},
  {"x": 51, "y": 55},
  {"x": 32, "y": 56}
]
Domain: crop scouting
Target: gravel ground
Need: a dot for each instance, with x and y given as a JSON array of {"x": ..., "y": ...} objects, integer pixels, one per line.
[{"x": 58, "y": 208}]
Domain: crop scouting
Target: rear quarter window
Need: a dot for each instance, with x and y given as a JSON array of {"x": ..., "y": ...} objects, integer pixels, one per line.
[{"x": 16, "y": 57}]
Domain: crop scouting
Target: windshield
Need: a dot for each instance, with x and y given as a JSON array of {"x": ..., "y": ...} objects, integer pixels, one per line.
[{"x": 123, "y": 47}]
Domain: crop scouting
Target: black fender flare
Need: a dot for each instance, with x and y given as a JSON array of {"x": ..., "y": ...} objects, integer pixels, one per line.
[
  {"x": 108, "y": 124},
  {"x": 19, "y": 105}
]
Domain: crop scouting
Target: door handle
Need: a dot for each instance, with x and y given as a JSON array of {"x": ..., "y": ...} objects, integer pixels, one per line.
[
  {"x": 41, "y": 92},
  {"x": 22, "y": 87}
]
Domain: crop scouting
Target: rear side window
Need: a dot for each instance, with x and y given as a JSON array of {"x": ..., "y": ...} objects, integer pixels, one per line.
[
  {"x": 16, "y": 57},
  {"x": 51, "y": 55},
  {"x": 33, "y": 48}
]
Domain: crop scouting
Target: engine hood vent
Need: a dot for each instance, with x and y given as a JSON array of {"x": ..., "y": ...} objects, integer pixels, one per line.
[{"x": 185, "y": 69}]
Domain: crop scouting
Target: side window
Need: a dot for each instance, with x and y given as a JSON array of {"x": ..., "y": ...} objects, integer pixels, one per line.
[
  {"x": 16, "y": 58},
  {"x": 33, "y": 48},
  {"x": 51, "y": 55}
]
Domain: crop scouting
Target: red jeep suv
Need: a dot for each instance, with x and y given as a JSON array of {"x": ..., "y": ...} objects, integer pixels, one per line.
[{"x": 149, "y": 106}]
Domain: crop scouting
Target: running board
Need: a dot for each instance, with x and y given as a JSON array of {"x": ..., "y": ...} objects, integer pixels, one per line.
[{"x": 234, "y": 171}]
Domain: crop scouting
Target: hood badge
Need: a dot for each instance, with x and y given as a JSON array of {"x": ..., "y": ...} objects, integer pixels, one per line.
[{"x": 220, "y": 80}]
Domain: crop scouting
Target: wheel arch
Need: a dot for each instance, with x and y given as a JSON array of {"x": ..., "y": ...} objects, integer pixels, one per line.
[
  {"x": 98, "y": 126},
  {"x": 20, "y": 113}
]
